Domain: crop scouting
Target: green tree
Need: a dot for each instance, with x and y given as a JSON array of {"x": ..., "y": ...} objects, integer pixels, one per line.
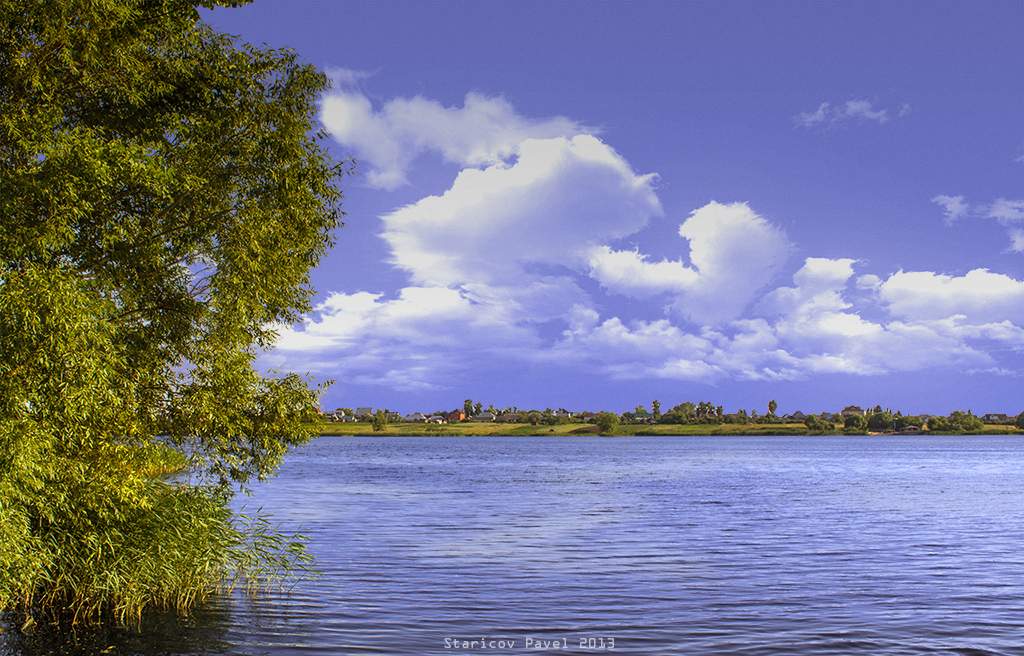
[
  {"x": 380, "y": 420},
  {"x": 163, "y": 196},
  {"x": 1020, "y": 420},
  {"x": 467, "y": 407},
  {"x": 477, "y": 408},
  {"x": 656, "y": 407},
  {"x": 818, "y": 424},
  {"x": 772, "y": 407},
  {"x": 855, "y": 422},
  {"x": 606, "y": 422}
]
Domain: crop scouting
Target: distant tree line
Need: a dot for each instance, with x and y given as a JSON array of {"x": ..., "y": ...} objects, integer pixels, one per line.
[{"x": 851, "y": 420}]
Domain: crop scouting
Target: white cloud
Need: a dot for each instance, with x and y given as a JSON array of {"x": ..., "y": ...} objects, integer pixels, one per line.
[
  {"x": 346, "y": 77},
  {"x": 819, "y": 284},
  {"x": 809, "y": 328},
  {"x": 633, "y": 274},
  {"x": 954, "y": 207},
  {"x": 489, "y": 259},
  {"x": 854, "y": 110},
  {"x": 484, "y": 130},
  {"x": 1008, "y": 212},
  {"x": 499, "y": 262},
  {"x": 868, "y": 282},
  {"x": 495, "y": 230},
  {"x": 416, "y": 341},
  {"x": 1017, "y": 240},
  {"x": 733, "y": 253},
  {"x": 819, "y": 116},
  {"x": 980, "y": 295}
]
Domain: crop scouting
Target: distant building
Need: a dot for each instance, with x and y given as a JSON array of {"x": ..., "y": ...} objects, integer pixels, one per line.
[
  {"x": 415, "y": 417},
  {"x": 456, "y": 415},
  {"x": 996, "y": 418},
  {"x": 437, "y": 419},
  {"x": 485, "y": 416},
  {"x": 363, "y": 412},
  {"x": 853, "y": 410},
  {"x": 797, "y": 416}
]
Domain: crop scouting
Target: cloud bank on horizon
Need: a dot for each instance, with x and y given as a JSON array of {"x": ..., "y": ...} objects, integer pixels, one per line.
[{"x": 509, "y": 263}]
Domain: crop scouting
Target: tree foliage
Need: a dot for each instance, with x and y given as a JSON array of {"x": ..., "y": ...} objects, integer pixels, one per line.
[
  {"x": 162, "y": 199},
  {"x": 819, "y": 424},
  {"x": 606, "y": 422},
  {"x": 855, "y": 422},
  {"x": 958, "y": 421}
]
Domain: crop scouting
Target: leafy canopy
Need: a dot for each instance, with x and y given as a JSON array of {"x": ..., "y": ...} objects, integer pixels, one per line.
[{"x": 162, "y": 199}]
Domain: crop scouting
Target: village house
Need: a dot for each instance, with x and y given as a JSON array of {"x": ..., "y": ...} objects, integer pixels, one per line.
[
  {"x": 415, "y": 417},
  {"x": 996, "y": 418},
  {"x": 853, "y": 410},
  {"x": 456, "y": 415},
  {"x": 485, "y": 416},
  {"x": 363, "y": 413}
]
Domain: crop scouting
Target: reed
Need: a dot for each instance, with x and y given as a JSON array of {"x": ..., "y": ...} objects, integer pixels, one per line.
[{"x": 172, "y": 551}]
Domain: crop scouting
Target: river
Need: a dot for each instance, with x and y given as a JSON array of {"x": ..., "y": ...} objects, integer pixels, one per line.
[{"x": 646, "y": 545}]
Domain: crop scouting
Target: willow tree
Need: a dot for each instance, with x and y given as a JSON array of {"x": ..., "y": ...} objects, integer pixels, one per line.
[{"x": 163, "y": 196}]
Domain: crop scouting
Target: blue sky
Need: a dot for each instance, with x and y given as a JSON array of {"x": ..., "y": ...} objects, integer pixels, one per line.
[{"x": 593, "y": 205}]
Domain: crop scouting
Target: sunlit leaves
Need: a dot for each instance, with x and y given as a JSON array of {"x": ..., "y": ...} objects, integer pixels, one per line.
[{"x": 162, "y": 198}]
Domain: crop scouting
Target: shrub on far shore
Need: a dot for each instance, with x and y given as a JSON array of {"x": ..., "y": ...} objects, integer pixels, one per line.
[{"x": 606, "y": 422}]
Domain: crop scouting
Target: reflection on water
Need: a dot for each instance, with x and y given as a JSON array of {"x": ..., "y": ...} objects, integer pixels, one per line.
[{"x": 666, "y": 545}]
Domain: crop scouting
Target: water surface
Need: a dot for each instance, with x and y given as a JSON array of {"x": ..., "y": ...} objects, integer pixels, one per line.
[{"x": 717, "y": 545}]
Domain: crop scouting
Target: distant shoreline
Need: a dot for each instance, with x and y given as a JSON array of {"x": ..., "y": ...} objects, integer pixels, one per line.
[{"x": 484, "y": 429}]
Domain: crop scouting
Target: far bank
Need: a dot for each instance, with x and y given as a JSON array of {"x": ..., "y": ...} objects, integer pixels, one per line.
[{"x": 406, "y": 429}]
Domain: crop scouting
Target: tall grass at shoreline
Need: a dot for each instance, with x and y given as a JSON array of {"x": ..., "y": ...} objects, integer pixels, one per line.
[{"x": 175, "y": 550}]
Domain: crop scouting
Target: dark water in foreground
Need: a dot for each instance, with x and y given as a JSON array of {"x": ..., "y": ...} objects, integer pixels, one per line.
[{"x": 666, "y": 545}]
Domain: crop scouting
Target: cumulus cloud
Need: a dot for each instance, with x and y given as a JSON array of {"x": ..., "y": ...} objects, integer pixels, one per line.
[
  {"x": 484, "y": 130},
  {"x": 818, "y": 286},
  {"x": 411, "y": 342},
  {"x": 733, "y": 253},
  {"x": 516, "y": 233},
  {"x": 854, "y": 110},
  {"x": 558, "y": 200},
  {"x": 980, "y": 296},
  {"x": 807, "y": 329},
  {"x": 500, "y": 265},
  {"x": 496, "y": 254},
  {"x": 869, "y": 282}
]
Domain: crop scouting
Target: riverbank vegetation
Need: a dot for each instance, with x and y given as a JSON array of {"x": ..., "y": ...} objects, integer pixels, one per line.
[
  {"x": 162, "y": 198},
  {"x": 687, "y": 418},
  {"x": 576, "y": 428}
]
